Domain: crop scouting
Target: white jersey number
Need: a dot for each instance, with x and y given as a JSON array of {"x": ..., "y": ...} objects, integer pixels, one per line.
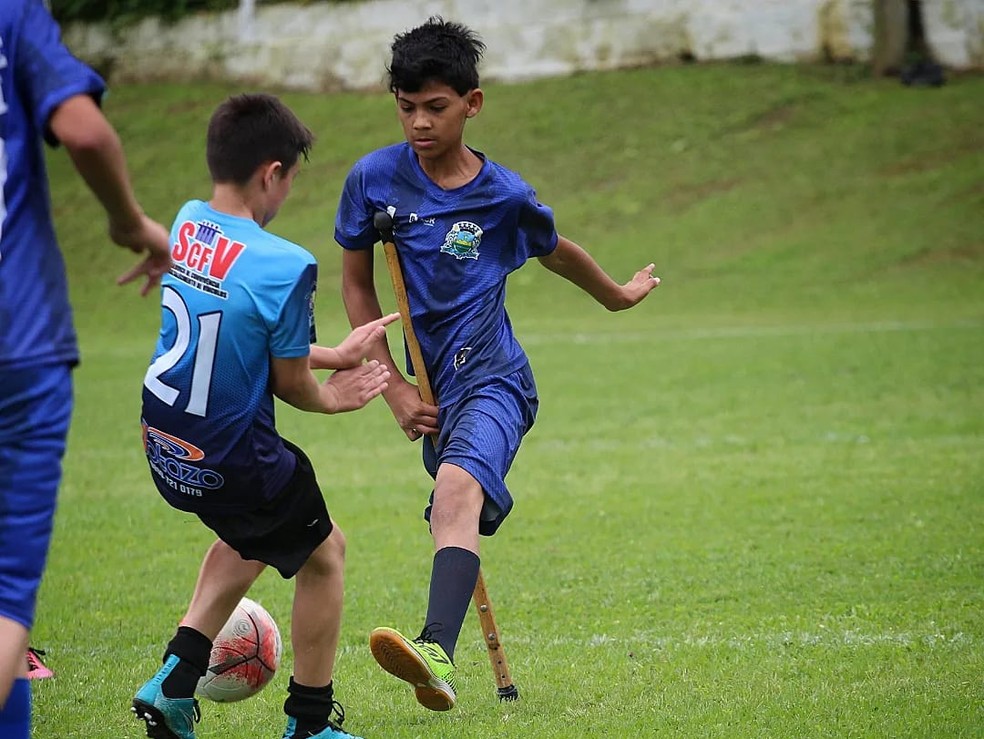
[{"x": 201, "y": 375}]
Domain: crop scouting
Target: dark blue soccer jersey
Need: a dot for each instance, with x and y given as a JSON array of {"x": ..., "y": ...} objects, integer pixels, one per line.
[
  {"x": 236, "y": 296},
  {"x": 457, "y": 247},
  {"x": 37, "y": 74}
]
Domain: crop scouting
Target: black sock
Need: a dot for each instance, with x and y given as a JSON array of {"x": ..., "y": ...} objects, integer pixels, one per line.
[
  {"x": 453, "y": 577},
  {"x": 192, "y": 648},
  {"x": 311, "y": 707}
]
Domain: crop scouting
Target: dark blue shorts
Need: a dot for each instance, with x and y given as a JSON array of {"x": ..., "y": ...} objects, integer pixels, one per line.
[
  {"x": 481, "y": 433},
  {"x": 35, "y": 410},
  {"x": 283, "y": 532}
]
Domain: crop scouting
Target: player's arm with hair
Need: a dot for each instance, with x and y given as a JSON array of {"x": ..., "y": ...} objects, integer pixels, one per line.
[
  {"x": 362, "y": 306},
  {"x": 574, "y": 264},
  {"x": 97, "y": 153},
  {"x": 344, "y": 390}
]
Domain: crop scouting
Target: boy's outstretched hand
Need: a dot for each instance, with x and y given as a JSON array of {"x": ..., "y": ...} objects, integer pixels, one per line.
[
  {"x": 642, "y": 283},
  {"x": 573, "y": 263},
  {"x": 353, "y": 387},
  {"x": 355, "y": 347},
  {"x": 150, "y": 237}
]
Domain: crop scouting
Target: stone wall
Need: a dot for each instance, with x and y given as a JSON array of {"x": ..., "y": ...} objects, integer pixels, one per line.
[{"x": 322, "y": 46}]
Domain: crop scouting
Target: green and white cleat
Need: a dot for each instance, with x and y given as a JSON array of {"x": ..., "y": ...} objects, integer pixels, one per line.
[{"x": 422, "y": 662}]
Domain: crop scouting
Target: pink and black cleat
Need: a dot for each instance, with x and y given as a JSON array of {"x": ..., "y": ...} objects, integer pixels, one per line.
[{"x": 36, "y": 668}]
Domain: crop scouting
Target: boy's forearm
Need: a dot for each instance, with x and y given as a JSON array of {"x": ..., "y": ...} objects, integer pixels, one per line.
[
  {"x": 574, "y": 264},
  {"x": 294, "y": 383},
  {"x": 306, "y": 395},
  {"x": 97, "y": 154},
  {"x": 361, "y": 309},
  {"x": 324, "y": 358}
]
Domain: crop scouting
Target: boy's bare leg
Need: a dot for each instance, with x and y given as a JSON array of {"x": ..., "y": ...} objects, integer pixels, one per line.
[
  {"x": 458, "y": 500},
  {"x": 427, "y": 661},
  {"x": 166, "y": 702},
  {"x": 224, "y": 578},
  {"x": 14, "y": 640},
  {"x": 317, "y": 615}
]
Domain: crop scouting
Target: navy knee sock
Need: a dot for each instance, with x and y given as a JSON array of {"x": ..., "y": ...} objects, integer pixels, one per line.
[
  {"x": 15, "y": 716},
  {"x": 453, "y": 577}
]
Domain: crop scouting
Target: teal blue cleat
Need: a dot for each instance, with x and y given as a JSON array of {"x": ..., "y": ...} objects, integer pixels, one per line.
[
  {"x": 331, "y": 731},
  {"x": 166, "y": 718}
]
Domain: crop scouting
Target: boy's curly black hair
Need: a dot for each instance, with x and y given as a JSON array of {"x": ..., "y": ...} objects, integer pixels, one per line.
[{"x": 438, "y": 50}]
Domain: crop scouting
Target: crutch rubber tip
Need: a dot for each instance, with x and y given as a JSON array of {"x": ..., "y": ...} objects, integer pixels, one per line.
[{"x": 509, "y": 693}]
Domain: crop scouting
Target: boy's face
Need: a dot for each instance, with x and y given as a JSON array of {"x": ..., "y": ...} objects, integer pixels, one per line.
[{"x": 434, "y": 118}]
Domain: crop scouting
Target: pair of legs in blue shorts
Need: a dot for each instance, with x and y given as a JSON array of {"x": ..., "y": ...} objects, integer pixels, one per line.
[
  {"x": 35, "y": 411},
  {"x": 481, "y": 433}
]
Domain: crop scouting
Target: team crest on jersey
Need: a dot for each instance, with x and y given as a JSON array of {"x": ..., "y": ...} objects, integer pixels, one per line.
[
  {"x": 203, "y": 256},
  {"x": 463, "y": 240}
]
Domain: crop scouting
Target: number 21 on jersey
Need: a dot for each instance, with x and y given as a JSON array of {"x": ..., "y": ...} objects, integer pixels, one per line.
[{"x": 204, "y": 356}]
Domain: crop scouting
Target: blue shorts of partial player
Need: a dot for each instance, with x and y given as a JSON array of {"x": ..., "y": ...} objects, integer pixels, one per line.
[
  {"x": 481, "y": 433},
  {"x": 35, "y": 411}
]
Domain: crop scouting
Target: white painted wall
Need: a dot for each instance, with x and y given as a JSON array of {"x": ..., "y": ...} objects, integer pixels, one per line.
[
  {"x": 956, "y": 31},
  {"x": 322, "y": 46}
]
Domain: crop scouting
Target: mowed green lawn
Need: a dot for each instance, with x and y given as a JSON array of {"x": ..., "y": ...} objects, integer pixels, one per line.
[{"x": 751, "y": 507}]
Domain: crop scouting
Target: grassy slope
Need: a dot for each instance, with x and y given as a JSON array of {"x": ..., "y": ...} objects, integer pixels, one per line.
[{"x": 750, "y": 507}]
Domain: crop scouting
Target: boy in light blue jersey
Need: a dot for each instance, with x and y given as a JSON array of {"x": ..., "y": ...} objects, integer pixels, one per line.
[
  {"x": 237, "y": 328},
  {"x": 462, "y": 224},
  {"x": 46, "y": 96}
]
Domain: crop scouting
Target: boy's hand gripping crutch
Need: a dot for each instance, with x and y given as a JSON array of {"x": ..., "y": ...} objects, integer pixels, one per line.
[{"x": 497, "y": 655}]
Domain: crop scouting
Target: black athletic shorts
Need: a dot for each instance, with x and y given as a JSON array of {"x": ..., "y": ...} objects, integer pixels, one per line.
[{"x": 284, "y": 532}]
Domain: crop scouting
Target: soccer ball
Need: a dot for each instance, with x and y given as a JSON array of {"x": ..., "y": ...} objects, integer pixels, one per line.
[{"x": 245, "y": 655}]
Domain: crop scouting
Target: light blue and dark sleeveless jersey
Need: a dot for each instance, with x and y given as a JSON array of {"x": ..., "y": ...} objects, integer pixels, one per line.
[
  {"x": 236, "y": 296},
  {"x": 457, "y": 247},
  {"x": 37, "y": 74}
]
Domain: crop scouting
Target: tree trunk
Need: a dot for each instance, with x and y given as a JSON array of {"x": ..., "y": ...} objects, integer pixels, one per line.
[{"x": 891, "y": 36}]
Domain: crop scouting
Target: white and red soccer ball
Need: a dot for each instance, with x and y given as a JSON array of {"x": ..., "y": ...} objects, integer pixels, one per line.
[{"x": 245, "y": 655}]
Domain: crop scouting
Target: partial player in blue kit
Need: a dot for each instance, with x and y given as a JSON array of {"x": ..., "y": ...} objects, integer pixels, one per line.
[
  {"x": 46, "y": 96},
  {"x": 462, "y": 224},
  {"x": 237, "y": 329}
]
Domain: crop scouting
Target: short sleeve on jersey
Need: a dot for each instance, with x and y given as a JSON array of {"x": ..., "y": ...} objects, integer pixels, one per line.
[
  {"x": 294, "y": 332},
  {"x": 536, "y": 233},
  {"x": 47, "y": 72},
  {"x": 354, "y": 228}
]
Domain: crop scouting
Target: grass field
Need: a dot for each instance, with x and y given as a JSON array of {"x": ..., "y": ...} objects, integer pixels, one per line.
[{"x": 751, "y": 507}]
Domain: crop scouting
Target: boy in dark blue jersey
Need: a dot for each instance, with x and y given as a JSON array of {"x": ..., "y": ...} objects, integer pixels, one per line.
[
  {"x": 462, "y": 224},
  {"x": 237, "y": 328},
  {"x": 46, "y": 95}
]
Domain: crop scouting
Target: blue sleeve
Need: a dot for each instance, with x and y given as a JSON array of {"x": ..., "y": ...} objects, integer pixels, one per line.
[
  {"x": 47, "y": 72},
  {"x": 536, "y": 234},
  {"x": 294, "y": 331},
  {"x": 354, "y": 227}
]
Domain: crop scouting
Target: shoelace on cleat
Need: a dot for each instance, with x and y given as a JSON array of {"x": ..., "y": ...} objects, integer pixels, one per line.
[
  {"x": 428, "y": 633},
  {"x": 336, "y": 711},
  {"x": 439, "y": 655}
]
